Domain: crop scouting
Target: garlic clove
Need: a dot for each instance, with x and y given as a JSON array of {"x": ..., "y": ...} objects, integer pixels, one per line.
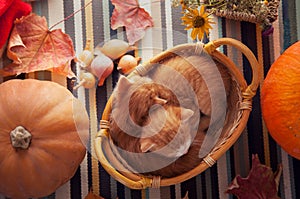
[
  {"x": 106, "y": 73},
  {"x": 114, "y": 48},
  {"x": 102, "y": 66},
  {"x": 87, "y": 80},
  {"x": 86, "y": 57}
]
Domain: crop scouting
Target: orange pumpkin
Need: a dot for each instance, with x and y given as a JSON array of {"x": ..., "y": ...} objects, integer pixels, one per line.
[
  {"x": 43, "y": 129},
  {"x": 280, "y": 100}
]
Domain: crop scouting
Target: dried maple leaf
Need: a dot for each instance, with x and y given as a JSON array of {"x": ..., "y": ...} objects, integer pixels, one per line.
[
  {"x": 33, "y": 47},
  {"x": 261, "y": 183},
  {"x": 135, "y": 19}
]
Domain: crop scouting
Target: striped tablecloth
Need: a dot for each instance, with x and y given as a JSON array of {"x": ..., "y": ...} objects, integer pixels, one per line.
[{"x": 94, "y": 23}]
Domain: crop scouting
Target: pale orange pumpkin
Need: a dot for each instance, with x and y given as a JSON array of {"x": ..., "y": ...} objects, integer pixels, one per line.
[
  {"x": 43, "y": 132},
  {"x": 280, "y": 100}
]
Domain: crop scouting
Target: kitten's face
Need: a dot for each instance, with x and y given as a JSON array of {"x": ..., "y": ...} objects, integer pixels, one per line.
[
  {"x": 164, "y": 125},
  {"x": 142, "y": 99},
  {"x": 142, "y": 94},
  {"x": 171, "y": 139}
]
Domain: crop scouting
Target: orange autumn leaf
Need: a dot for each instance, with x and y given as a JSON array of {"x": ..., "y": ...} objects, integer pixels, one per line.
[
  {"x": 33, "y": 47},
  {"x": 134, "y": 18}
]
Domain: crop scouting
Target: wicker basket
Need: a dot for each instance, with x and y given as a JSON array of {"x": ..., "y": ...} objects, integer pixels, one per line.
[{"x": 239, "y": 107}]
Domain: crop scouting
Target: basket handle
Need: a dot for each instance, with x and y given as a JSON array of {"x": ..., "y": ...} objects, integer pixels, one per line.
[{"x": 250, "y": 91}]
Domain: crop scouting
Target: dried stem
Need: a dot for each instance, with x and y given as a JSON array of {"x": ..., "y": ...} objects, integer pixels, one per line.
[
  {"x": 79, "y": 84},
  {"x": 20, "y": 138}
]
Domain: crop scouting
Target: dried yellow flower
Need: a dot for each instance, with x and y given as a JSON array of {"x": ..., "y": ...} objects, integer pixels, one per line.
[{"x": 198, "y": 20}]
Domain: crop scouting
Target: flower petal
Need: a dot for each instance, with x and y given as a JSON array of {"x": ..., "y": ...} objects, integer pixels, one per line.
[
  {"x": 195, "y": 12},
  {"x": 194, "y": 33},
  {"x": 200, "y": 34},
  {"x": 188, "y": 27},
  {"x": 186, "y": 18},
  {"x": 202, "y": 11},
  {"x": 205, "y": 15}
]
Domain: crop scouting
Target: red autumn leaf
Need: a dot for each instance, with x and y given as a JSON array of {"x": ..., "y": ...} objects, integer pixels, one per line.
[
  {"x": 135, "y": 19},
  {"x": 33, "y": 47},
  {"x": 261, "y": 182}
]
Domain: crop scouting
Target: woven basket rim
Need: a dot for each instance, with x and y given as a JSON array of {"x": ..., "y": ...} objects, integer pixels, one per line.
[{"x": 137, "y": 181}]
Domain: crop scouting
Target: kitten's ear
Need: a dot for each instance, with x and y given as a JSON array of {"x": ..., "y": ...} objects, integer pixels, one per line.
[
  {"x": 124, "y": 83},
  {"x": 146, "y": 145},
  {"x": 159, "y": 100},
  {"x": 186, "y": 114}
]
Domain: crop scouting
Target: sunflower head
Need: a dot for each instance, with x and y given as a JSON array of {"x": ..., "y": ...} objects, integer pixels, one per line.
[{"x": 198, "y": 20}]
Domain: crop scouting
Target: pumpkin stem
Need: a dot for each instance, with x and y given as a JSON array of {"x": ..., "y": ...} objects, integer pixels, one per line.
[{"x": 20, "y": 137}]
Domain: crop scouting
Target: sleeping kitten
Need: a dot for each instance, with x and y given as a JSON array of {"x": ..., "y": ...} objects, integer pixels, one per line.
[
  {"x": 172, "y": 147},
  {"x": 178, "y": 86},
  {"x": 189, "y": 76},
  {"x": 130, "y": 107},
  {"x": 175, "y": 143},
  {"x": 167, "y": 131}
]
